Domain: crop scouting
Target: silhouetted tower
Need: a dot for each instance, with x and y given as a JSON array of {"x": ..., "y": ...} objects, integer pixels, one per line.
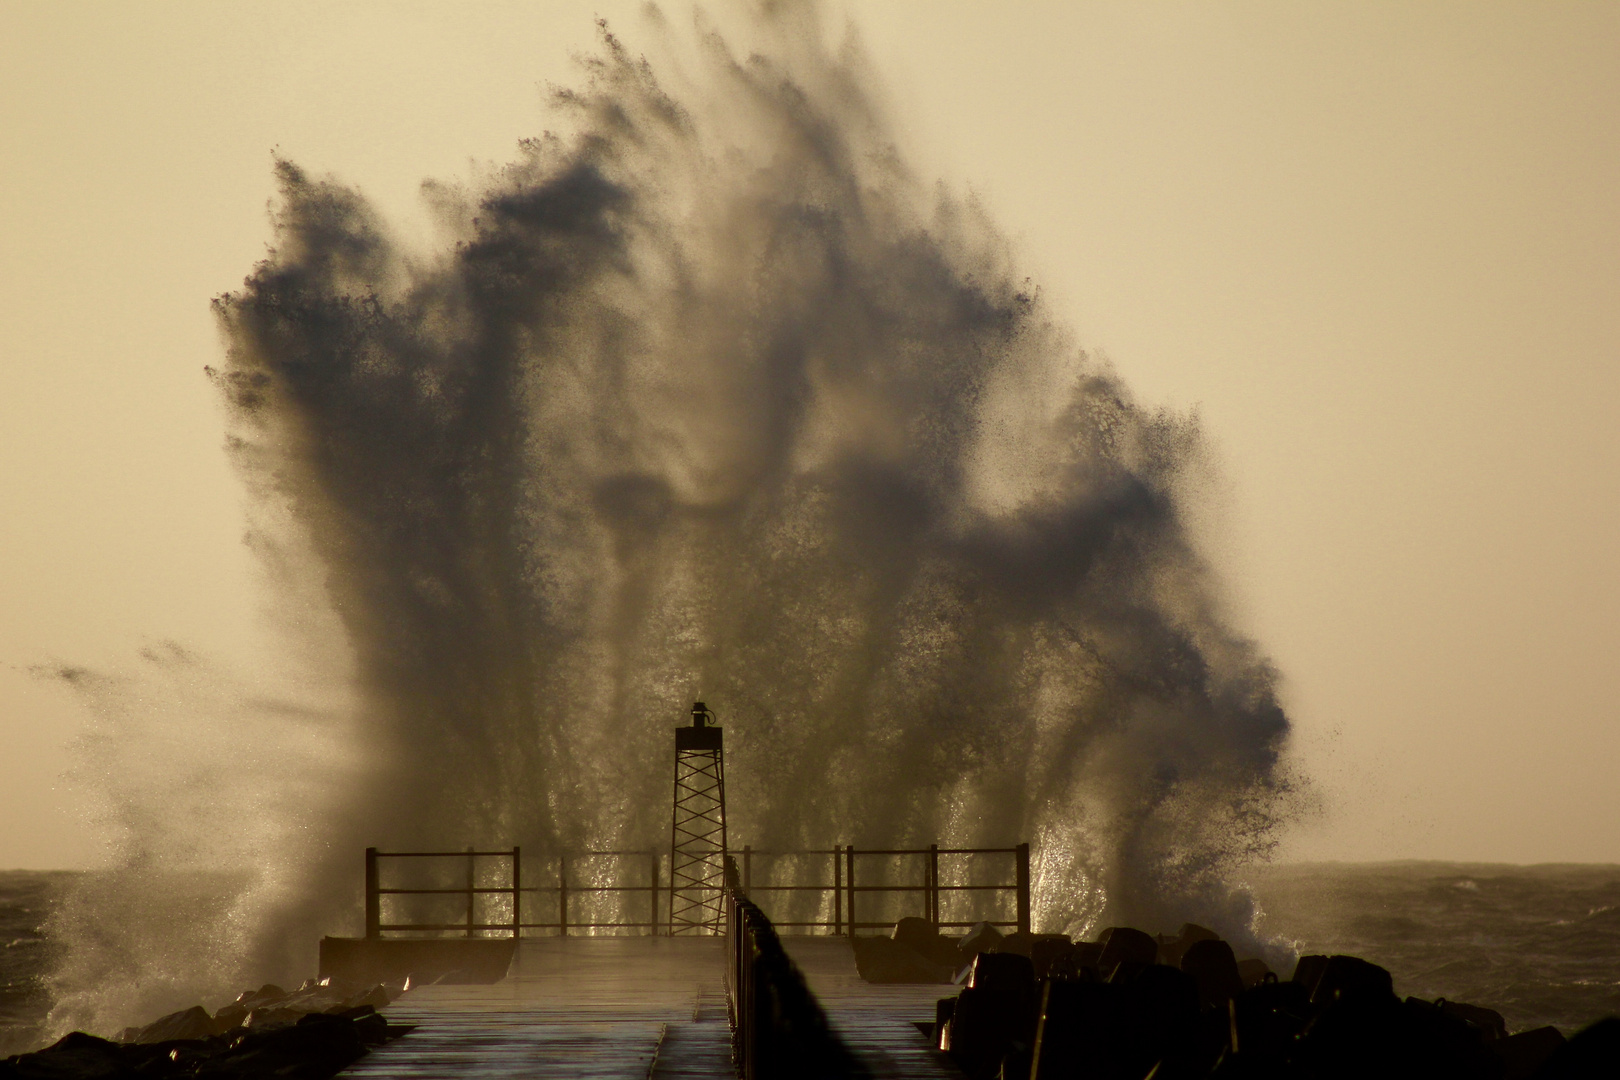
[{"x": 698, "y": 833}]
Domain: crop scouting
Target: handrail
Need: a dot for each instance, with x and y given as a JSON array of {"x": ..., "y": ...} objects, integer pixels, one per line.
[
  {"x": 517, "y": 924},
  {"x": 438, "y": 854},
  {"x": 843, "y": 889},
  {"x": 778, "y": 1030}
]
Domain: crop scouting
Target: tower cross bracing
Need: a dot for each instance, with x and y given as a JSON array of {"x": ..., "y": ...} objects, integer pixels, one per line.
[{"x": 698, "y": 828}]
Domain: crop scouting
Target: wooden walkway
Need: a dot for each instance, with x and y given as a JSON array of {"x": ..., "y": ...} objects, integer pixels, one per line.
[
  {"x": 601, "y": 1007},
  {"x": 637, "y": 1008}
]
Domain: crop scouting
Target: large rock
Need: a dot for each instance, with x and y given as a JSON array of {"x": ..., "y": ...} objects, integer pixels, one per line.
[
  {"x": 1079, "y": 1031},
  {"x": 944, "y": 1008},
  {"x": 915, "y": 933},
  {"x": 373, "y": 1027},
  {"x": 1307, "y": 970},
  {"x": 883, "y": 960},
  {"x": 287, "y": 1043},
  {"x": 994, "y": 1018},
  {"x": 1171, "y": 949},
  {"x": 1523, "y": 1053},
  {"x": 1345, "y": 977},
  {"x": 986, "y": 1027},
  {"x": 1049, "y": 950},
  {"x": 923, "y": 938},
  {"x": 982, "y": 938},
  {"x": 375, "y": 997},
  {"x": 1161, "y": 1018},
  {"x": 368, "y": 961},
  {"x": 1126, "y": 944},
  {"x": 1266, "y": 1020},
  {"x": 1348, "y": 1038},
  {"x": 75, "y": 1056},
  {"x": 1429, "y": 1042},
  {"x": 1253, "y": 972},
  {"x": 1003, "y": 973},
  {"x": 1078, "y": 962},
  {"x": 192, "y": 1023},
  {"x": 1489, "y": 1022},
  {"x": 1593, "y": 1051},
  {"x": 268, "y": 1019},
  {"x": 1021, "y": 942},
  {"x": 234, "y": 1014},
  {"x": 1214, "y": 969},
  {"x": 315, "y": 1048}
]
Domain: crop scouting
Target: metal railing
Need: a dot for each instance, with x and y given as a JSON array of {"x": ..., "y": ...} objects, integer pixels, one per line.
[
  {"x": 778, "y": 1029},
  {"x": 845, "y": 890},
  {"x": 521, "y": 900},
  {"x": 558, "y": 890}
]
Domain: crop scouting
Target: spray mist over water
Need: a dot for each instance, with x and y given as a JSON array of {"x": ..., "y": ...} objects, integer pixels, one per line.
[{"x": 712, "y": 398}]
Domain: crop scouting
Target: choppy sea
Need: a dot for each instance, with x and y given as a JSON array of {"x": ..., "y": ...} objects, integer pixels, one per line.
[
  {"x": 1540, "y": 944},
  {"x": 26, "y": 954}
]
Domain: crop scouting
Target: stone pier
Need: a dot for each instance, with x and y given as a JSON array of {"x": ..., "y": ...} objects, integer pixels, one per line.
[{"x": 637, "y": 1008}]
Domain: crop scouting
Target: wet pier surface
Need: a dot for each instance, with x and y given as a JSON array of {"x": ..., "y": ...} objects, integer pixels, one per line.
[
  {"x": 643, "y": 1007},
  {"x": 878, "y": 1022}
]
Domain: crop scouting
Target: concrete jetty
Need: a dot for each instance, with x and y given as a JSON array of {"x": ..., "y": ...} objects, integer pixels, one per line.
[
  {"x": 636, "y": 1007},
  {"x": 877, "y": 1021}
]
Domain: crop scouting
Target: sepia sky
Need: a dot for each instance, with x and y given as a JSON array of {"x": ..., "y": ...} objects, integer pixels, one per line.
[{"x": 1376, "y": 246}]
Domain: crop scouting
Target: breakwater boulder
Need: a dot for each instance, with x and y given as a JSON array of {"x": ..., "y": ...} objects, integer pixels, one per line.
[
  {"x": 445, "y": 960},
  {"x": 1135, "y": 1006},
  {"x": 266, "y": 1034},
  {"x": 916, "y": 952}
]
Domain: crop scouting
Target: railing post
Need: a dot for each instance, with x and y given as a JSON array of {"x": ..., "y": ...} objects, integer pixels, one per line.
[
  {"x": 517, "y": 893},
  {"x": 471, "y": 896},
  {"x": 652, "y": 920},
  {"x": 748, "y": 868},
  {"x": 1023, "y": 888},
  {"x": 838, "y": 893},
  {"x": 751, "y": 1059},
  {"x": 849, "y": 883},
  {"x": 562, "y": 895},
  {"x": 373, "y": 898},
  {"x": 933, "y": 885}
]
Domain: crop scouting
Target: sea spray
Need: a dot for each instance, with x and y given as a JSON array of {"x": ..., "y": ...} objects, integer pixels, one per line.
[
  {"x": 217, "y": 798},
  {"x": 710, "y": 397}
]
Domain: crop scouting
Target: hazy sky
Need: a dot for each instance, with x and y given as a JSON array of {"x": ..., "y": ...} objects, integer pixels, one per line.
[{"x": 1375, "y": 245}]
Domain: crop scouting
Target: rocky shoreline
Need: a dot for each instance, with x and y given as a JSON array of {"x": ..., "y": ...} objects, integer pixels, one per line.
[
  {"x": 266, "y": 1034},
  {"x": 1132, "y": 1005}
]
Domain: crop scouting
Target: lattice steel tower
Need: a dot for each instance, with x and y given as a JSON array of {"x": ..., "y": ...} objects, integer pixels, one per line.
[{"x": 698, "y": 832}]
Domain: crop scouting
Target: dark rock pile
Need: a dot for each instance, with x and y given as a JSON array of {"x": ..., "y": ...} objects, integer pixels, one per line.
[
  {"x": 267, "y": 1034},
  {"x": 1134, "y": 1006}
]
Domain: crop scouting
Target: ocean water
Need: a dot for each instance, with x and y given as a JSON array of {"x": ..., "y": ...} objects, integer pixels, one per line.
[
  {"x": 1541, "y": 944},
  {"x": 26, "y": 899}
]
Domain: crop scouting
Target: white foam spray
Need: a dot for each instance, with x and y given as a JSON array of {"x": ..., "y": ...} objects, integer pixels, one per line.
[{"x": 710, "y": 397}]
